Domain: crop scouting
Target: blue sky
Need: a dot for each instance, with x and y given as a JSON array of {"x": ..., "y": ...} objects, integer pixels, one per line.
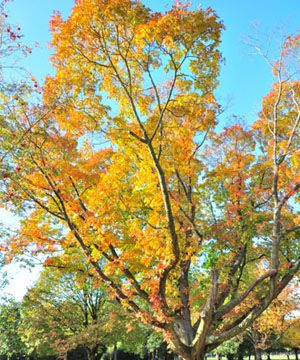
[{"x": 245, "y": 77}]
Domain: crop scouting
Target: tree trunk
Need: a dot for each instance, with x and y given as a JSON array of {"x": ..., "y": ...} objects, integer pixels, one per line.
[
  {"x": 193, "y": 357},
  {"x": 198, "y": 357},
  {"x": 269, "y": 355},
  {"x": 115, "y": 353},
  {"x": 240, "y": 355},
  {"x": 257, "y": 354},
  {"x": 296, "y": 354},
  {"x": 91, "y": 353}
]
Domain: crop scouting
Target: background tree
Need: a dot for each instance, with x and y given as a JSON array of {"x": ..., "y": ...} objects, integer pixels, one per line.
[
  {"x": 64, "y": 315},
  {"x": 291, "y": 338},
  {"x": 268, "y": 330},
  {"x": 11, "y": 344},
  {"x": 197, "y": 244},
  {"x": 228, "y": 348},
  {"x": 64, "y": 312}
]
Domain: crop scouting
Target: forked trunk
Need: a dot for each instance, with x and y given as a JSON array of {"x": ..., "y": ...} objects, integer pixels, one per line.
[{"x": 189, "y": 343}]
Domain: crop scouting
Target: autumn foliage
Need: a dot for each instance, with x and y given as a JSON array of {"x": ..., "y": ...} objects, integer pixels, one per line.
[{"x": 193, "y": 230}]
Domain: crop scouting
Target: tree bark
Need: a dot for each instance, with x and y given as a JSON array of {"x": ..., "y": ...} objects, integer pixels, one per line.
[
  {"x": 91, "y": 353},
  {"x": 257, "y": 354},
  {"x": 296, "y": 354},
  {"x": 114, "y": 354},
  {"x": 200, "y": 356}
]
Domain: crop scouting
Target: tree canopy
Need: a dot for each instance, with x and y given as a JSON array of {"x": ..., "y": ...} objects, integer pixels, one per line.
[{"x": 192, "y": 229}]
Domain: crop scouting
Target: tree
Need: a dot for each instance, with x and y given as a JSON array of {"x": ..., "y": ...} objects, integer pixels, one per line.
[
  {"x": 228, "y": 348},
  {"x": 10, "y": 341},
  {"x": 291, "y": 338},
  {"x": 11, "y": 49},
  {"x": 68, "y": 313},
  {"x": 64, "y": 314},
  {"x": 12, "y": 84},
  {"x": 10, "y": 46},
  {"x": 268, "y": 330},
  {"x": 195, "y": 241}
]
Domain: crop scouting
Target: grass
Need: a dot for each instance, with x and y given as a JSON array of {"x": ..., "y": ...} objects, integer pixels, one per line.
[{"x": 273, "y": 357}]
